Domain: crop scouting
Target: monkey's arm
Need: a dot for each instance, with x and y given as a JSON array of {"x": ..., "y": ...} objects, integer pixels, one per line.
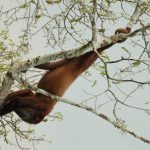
[
  {"x": 123, "y": 30},
  {"x": 53, "y": 65},
  {"x": 59, "y": 63}
]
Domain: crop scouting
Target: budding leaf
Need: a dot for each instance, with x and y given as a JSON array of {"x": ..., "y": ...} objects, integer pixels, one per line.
[
  {"x": 126, "y": 50},
  {"x": 101, "y": 30},
  {"x": 136, "y": 63},
  {"x": 24, "y": 5}
]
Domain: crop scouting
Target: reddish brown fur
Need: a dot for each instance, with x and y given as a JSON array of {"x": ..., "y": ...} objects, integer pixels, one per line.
[
  {"x": 123, "y": 30},
  {"x": 32, "y": 108}
]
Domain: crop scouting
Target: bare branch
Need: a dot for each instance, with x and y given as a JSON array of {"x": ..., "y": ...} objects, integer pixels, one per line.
[
  {"x": 90, "y": 109},
  {"x": 7, "y": 83},
  {"x": 99, "y": 45},
  {"x": 106, "y": 43},
  {"x": 140, "y": 8},
  {"x": 92, "y": 16}
]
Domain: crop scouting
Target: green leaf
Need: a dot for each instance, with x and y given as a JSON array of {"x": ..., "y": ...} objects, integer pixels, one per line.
[
  {"x": 24, "y": 5},
  {"x": 74, "y": 20},
  {"x": 57, "y": 1},
  {"x": 94, "y": 83},
  {"x": 84, "y": 10},
  {"x": 144, "y": 3},
  {"x": 103, "y": 73},
  {"x": 125, "y": 49},
  {"x": 47, "y": 28},
  {"x": 53, "y": 1},
  {"x": 38, "y": 16},
  {"x": 102, "y": 67},
  {"x": 87, "y": 73},
  {"x": 101, "y": 30},
  {"x": 2, "y": 46},
  {"x": 49, "y": 1},
  {"x": 107, "y": 1},
  {"x": 33, "y": 1},
  {"x": 137, "y": 63}
]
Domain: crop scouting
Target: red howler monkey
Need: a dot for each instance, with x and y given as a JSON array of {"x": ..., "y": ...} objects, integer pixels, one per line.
[{"x": 32, "y": 108}]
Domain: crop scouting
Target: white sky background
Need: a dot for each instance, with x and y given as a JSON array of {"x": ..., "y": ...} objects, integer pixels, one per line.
[{"x": 81, "y": 130}]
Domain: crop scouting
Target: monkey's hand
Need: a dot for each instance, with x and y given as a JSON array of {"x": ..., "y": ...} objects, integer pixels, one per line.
[{"x": 123, "y": 30}]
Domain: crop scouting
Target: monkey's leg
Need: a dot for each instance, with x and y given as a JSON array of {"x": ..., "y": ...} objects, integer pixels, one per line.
[
  {"x": 58, "y": 80},
  {"x": 31, "y": 109},
  {"x": 21, "y": 93},
  {"x": 11, "y": 100},
  {"x": 30, "y": 115},
  {"x": 8, "y": 107}
]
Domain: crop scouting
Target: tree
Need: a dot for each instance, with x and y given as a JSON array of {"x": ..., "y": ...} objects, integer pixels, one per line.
[{"x": 87, "y": 26}]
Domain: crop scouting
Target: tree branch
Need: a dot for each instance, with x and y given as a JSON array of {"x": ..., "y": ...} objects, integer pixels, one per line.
[
  {"x": 99, "y": 45},
  {"x": 141, "y": 7},
  {"x": 116, "y": 124},
  {"x": 7, "y": 83}
]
